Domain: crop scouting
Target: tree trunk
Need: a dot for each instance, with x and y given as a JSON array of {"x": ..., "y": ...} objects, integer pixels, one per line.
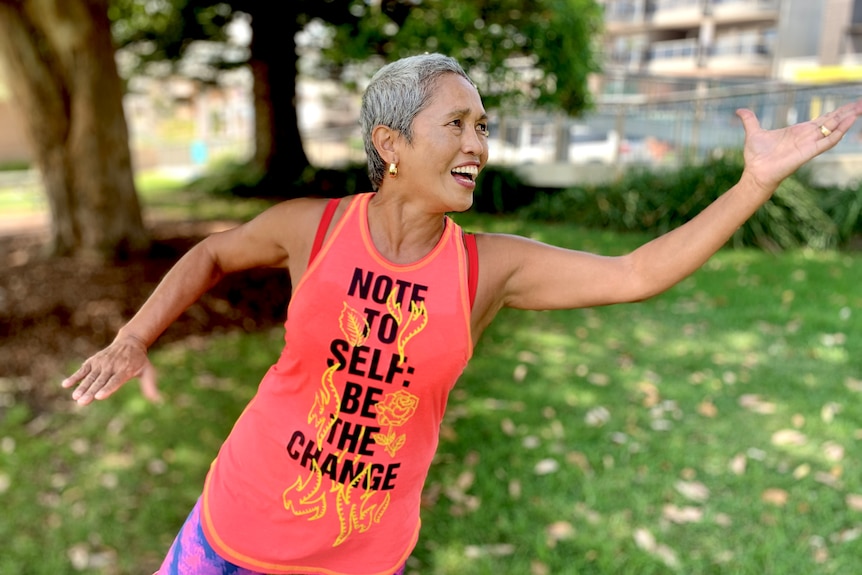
[
  {"x": 62, "y": 74},
  {"x": 278, "y": 144}
]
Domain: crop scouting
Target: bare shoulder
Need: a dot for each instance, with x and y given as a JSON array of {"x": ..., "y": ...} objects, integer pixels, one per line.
[
  {"x": 280, "y": 236},
  {"x": 503, "y": 253}
]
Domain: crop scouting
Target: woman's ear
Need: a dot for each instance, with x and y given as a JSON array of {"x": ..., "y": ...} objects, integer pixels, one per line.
[{"x": 384, "y": 139}]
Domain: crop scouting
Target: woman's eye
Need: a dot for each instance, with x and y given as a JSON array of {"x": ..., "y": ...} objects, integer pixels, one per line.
[{"x": 483, "y": 129}]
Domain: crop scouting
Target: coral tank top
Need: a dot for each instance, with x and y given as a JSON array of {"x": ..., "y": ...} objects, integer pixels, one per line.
[{"x": 323, "y": 471}]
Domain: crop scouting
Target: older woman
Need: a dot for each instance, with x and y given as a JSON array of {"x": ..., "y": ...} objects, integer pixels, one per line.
[{"x": 323, "y": 471}]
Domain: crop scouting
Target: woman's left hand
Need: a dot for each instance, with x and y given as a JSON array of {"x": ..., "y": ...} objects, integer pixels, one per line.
[{"x": 773, "y": 155}]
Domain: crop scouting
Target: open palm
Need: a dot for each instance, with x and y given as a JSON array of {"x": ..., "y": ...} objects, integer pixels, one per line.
[{"x": 772, "y": 155}]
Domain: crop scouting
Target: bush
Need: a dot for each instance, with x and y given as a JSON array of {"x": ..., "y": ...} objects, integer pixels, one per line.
[
  {"x": 844, "y": 208},
  {"x": 656, "y": 202},
  {"x": 229, "y": 178},
  {"x": 333, "y": 183},
  {"x": 499, "y": 190}
]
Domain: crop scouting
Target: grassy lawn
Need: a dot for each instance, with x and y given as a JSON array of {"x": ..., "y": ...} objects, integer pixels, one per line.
[{"x": 713, "y": 429}]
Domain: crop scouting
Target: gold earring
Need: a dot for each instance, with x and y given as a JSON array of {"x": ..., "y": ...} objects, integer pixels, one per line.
[{"x": 393, "y": 170}]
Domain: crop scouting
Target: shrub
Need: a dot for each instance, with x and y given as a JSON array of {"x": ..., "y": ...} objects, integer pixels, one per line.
[
  {"x": 500, "y": 190},
  {"x": 844, "y": 207},
  {"x": 656, "y": 202}
]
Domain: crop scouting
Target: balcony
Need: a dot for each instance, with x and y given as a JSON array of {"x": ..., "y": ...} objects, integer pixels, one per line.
[
  {"x": 678, "y": 14},
  {"x": 744, "y": 11},
  {"x": 674, "y": 58}
]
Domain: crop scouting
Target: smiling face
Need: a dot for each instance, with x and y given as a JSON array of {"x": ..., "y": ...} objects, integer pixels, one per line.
[{"x": 449, "y": 145}]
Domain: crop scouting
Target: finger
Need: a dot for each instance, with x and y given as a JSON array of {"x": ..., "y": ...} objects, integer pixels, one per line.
[
  {"x": 77, "y": 376},
  {"x": 107, "y": 388},
  {"x": 839, "y": 120},
  {"x": 86, "y": 391},
  {"x": 85, "y": 383},
  {"x": 149, "y": 387},
  {"x": 749, "y": 120}
]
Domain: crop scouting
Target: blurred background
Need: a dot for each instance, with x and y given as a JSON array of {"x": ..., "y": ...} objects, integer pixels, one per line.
[
  {"x": 650, "y": 82},
  {"x": 716, "y": 428}
]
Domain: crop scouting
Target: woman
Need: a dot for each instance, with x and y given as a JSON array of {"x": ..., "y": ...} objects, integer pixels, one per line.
[{"x": 323, "y": 471}]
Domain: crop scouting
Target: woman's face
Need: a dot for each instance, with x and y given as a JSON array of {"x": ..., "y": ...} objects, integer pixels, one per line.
[{"x": 450, "y": 144}]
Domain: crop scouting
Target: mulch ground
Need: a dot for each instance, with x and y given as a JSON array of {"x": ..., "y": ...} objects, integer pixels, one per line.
[{"x": 56, "y": 312}]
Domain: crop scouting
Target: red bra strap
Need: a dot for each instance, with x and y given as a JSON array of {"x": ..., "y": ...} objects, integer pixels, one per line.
[
  {"x": 328, "y": 211},
  {"x": 472, "y": 266}
]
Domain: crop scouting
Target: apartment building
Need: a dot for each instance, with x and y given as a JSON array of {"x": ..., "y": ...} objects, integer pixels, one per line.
[{"x": 802, "y": 41}]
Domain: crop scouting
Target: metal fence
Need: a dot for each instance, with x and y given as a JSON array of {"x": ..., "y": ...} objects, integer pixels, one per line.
[{"x": 699, "y": 123}]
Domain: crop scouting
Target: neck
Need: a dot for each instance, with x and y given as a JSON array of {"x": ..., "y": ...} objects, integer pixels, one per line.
[{"x": 401, "y": 230}]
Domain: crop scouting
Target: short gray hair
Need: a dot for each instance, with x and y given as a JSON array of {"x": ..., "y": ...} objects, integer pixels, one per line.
[{"x": 395, "y": 95}]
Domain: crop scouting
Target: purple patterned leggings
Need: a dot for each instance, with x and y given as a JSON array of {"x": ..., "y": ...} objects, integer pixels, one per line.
[{"x": 190, "y": 553}]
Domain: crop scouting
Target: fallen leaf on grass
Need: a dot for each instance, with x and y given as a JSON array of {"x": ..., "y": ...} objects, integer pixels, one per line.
[
  {"x": 853, "y": 384},
  {"x": 580, "y": 460},
  {"x": 515, "y": 489},
  {"x": 829, "y": 411},
  {"x": 508, "y": 427},
  {"x": 775, "y": 496},
  {"x": 546, "y": 467},
  {"x": 756, "y": 404},
  {"x": 847, "y": 535},
  {"x": 499, "y": 550},
  {"x": 651, "y": 394},
  {"x": 599, "y": 379},
  {"x": 707, "y": 409},
  {"x": 854, "y": 501},
  {"x": 784, "y": 437},
  {"x": 801, "y": 471},
  {"x": 597, "y": 417},
  {"x": 833, "y": 451},
  {"x": 559, "y": 531},
  {"x": 694, "y": 490},
  {"x": 539, "y": 568},
  {"x": 520, "y": 372},
  {"x": 832, "y": 478},
  {"x": 644, "y": 539},
  {"x": 647, "y": 542},
  {"x": 681, "y": 515},
  {"x": 738, "y": 464}
]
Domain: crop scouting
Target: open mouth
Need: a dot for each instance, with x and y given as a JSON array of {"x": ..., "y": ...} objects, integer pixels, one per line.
[{"x": 468, "y": 173}]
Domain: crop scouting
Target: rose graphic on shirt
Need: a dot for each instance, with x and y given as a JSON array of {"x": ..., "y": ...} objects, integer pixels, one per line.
[{"x": 395, "y": 410}]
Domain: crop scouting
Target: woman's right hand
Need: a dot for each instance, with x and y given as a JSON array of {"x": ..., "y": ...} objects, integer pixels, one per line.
[{"x": 106, "y": 371}]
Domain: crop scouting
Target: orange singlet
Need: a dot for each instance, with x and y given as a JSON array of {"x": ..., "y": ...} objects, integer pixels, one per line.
[{"x": 323, "y": 471}]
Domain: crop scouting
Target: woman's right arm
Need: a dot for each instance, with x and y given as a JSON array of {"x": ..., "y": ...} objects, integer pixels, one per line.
[{"x": 266, "y": 241}]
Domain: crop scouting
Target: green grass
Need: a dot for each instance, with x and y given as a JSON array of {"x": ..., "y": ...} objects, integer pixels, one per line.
[{"x": 713, "y": 429}]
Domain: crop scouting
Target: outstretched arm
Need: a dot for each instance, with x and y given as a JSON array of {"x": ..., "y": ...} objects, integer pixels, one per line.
[
  {"x": 532, "y": 275},
  {"x": 266, "y": 241}
]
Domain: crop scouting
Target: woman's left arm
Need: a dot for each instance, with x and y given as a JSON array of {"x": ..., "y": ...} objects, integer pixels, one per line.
[{"x": 537, "y": 276}]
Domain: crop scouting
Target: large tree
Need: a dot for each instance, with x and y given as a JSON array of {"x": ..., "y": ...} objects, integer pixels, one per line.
[
  {"x": 524, "y": 53},
  {"x": 60, "y": 67},
  {"x": 521, "y": 52},
  {"x": 60, "y": 59}
]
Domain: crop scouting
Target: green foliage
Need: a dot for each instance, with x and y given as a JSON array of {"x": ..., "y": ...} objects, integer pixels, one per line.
[
  {"x": 242, "y": 180},
  {"x": 844, "y": 207},
  {"x": 659, "y": 201},
  {"x": 499, "y": 190},
  {"x": 334, "y": 183},
  {"x": 230, "y": 177},
  {"x": 533, "y": 52}
]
